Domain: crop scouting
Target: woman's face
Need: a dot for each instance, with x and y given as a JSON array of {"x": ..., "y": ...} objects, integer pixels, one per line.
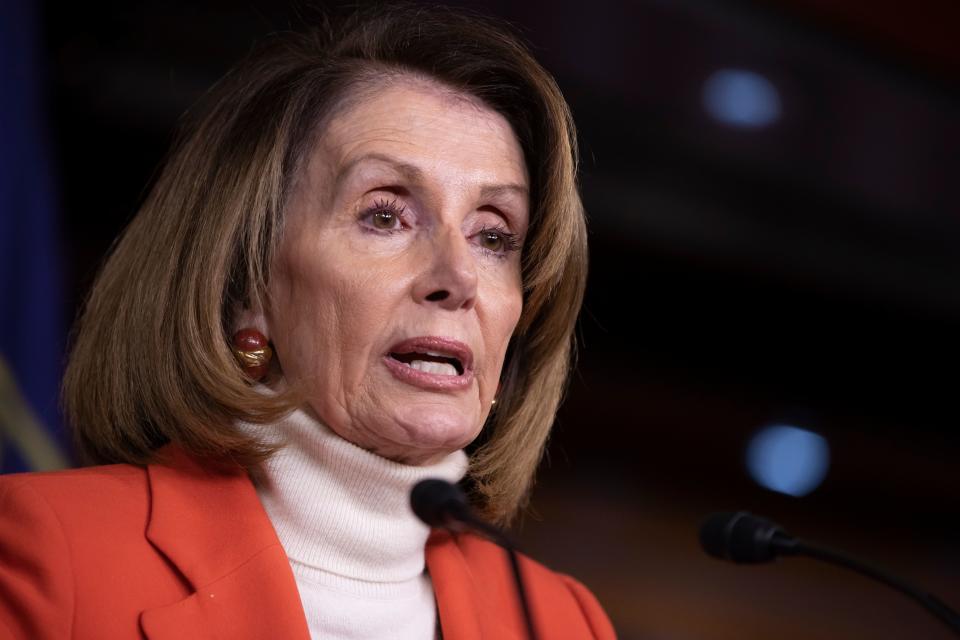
[{"x": 397, "y": 285}]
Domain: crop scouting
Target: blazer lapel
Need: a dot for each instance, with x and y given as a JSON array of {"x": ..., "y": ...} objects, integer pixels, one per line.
[
  {"x": 457, "y": 599},
  {"x": 471, "y": 606},
  {"x": 213, "y": 529}
]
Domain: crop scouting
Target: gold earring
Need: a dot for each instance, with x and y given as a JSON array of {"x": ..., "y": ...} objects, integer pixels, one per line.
[
  {"x": 496, "y": 395},
  {"x": 253, "y": 352}
]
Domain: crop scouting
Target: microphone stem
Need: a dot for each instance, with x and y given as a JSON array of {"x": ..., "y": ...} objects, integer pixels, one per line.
[
  {"x": 933, "y": 604},
  {"x": 521, "y": 587}
]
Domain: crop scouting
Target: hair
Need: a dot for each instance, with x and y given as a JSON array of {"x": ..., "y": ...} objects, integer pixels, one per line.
[{"x": 151, "y": 362}]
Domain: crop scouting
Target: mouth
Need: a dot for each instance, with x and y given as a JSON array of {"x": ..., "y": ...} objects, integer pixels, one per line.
[{"x": 431, "y": 362}]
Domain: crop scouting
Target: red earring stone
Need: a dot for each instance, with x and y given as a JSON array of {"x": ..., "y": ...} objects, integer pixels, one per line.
[{"x": 253, "y": 352}]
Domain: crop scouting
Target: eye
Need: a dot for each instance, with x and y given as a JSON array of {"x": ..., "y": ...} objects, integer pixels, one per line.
[
  {"x": 384, "y": 219},
  {"x": 491, "y": 240},
  {"x": 384, "y": 215},
  {"x": 497, "y": 240}
]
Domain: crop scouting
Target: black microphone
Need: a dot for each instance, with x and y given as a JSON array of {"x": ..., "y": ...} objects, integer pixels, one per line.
[
  {"x": 743, "y": 538},
  {"x": 748, "y": 539},
  {"x": 441, "y": 504}
]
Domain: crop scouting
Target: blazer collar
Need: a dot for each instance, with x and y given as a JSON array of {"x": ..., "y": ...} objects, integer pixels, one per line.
[
  {"x": 474, "y": 602},
  {"x": 213, "y": 529}
]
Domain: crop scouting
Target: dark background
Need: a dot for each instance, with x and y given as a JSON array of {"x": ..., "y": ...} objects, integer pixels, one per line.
[{"x": 808, "y": 271}]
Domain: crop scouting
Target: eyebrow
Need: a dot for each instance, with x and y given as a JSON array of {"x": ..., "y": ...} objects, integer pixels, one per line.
[
  {"x": 408, "y": 171},
  {"x": 414, "y": 173},
  {"x": 491, "y": 191}
]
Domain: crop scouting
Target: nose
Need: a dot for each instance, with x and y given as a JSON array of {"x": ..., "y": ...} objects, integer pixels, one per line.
[{"x": 450, "y": 277}]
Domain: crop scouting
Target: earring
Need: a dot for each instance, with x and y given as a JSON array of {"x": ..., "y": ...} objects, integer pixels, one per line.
[{"x": 252, "y": 352}]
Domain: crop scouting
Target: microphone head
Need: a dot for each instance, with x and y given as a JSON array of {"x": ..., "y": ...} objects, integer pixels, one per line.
[
  {"x": 438, "y": 503},
  {"x": 742, "y": 537}
]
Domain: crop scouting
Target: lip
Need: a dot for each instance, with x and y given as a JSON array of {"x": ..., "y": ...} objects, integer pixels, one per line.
[{"x": 432, "y": 381}]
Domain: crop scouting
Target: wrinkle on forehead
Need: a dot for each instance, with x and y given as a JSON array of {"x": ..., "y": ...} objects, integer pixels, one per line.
[
  {"x": 368, "y": 83},
  {"x": 450, "y": 143},
  {"x": 346, "y": 129}
]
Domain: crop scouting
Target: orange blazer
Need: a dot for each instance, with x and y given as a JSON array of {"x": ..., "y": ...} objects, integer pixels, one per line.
[{"x": 176, "y": 552}]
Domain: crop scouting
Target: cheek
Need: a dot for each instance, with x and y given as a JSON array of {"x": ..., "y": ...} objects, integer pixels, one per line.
[
  {"x": 512, "y": 313},
  {"x": 303, "y": 309},
  {"x": 505, "y": 318},
  {"x": 332, "y": 306}
]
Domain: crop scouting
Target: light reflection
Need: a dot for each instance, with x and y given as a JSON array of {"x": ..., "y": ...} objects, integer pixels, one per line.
[
  {"x": 788, "y": 459},
  {"x": 741, "y": 98}
]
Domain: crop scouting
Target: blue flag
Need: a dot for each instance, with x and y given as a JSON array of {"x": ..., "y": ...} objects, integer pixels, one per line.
[{"x": 32, "y": 327}]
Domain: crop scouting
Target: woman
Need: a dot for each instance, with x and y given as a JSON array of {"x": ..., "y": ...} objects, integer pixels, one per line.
[{"x": 365, "y": 251}]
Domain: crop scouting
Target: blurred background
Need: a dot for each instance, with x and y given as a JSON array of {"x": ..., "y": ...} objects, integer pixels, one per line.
[{"x": 774, "y": 302}]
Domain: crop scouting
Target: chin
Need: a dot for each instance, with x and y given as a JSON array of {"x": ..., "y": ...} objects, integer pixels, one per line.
[{"x": 440, "y": 429}]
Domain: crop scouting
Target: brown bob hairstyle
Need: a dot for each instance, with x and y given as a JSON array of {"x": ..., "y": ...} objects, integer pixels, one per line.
[{"x": 151, "y": 362}]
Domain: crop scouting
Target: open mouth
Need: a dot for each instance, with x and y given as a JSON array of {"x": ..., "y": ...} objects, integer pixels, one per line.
[{"x": 430, "y": 362}]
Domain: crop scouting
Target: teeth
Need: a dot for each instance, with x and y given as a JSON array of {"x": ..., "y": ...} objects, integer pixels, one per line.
[{"x": 438, "y": 368}]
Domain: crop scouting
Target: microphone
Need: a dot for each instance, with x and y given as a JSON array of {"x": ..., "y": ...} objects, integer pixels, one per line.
[
  {"x": 744, "y": 538},
  {"x": 442, "y": 505},
  {"x": 439, "y": 503}
]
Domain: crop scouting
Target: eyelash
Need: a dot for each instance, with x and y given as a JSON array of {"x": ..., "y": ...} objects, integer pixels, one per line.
[
  {"x": 511, "y": 241},
  {"x": 384, "y": 206}
]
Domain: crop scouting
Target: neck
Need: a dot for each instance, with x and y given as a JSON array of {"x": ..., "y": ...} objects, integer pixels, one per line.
[{"x": 342, "y": 509}]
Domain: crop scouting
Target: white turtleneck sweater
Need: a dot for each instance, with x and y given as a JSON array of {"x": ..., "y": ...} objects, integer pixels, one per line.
[{"x": 343, "y": 517}]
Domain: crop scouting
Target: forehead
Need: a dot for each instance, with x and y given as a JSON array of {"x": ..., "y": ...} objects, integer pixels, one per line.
[{"x": 449, "y": 136}]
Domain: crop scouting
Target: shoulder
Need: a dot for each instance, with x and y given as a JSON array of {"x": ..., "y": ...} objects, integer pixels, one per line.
[
  {"x": 46, "y": 520},
  {"x": 69, "y": 539},
  {"x": 561, "y": 604},
  {"x": 75, "y": 513},
  {"x": 84, "y": 509},
  {"x": 78, "y": 495},
  {"x": 53, "y": 483}
]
